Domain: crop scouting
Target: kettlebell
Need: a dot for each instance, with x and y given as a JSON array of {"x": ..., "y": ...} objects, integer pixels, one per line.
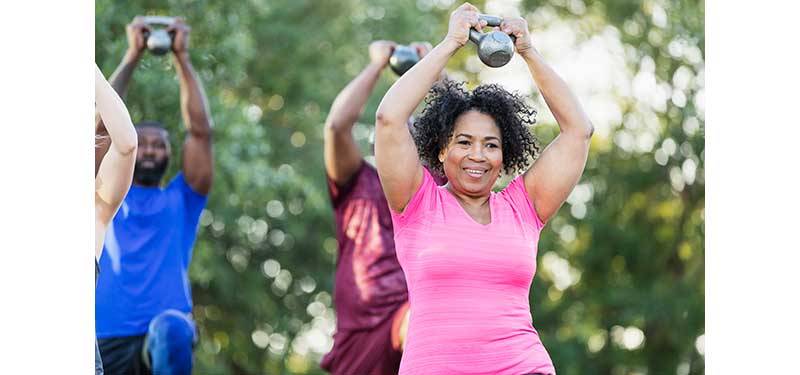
[
  {"x": 158, "y": 41},
  {"x": 495, "y": 48},
  {"x": 403, "y": 58}
]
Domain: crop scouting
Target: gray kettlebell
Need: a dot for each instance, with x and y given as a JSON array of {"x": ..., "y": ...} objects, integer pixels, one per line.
[
  {"x": 495, "y": 48},
  {"x": 158, "y": 41},
  {"x": 402, "y": 59}
]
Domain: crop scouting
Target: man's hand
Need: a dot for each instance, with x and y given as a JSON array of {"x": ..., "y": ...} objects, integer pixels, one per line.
[
  {"x": 136, "y": 41},
  {"x": 380, "y": 51},
  {"x": 422, "y": 48},
  {"x": 180, "y": 31}
]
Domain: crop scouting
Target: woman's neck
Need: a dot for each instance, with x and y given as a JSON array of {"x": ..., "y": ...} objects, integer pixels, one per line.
[{"x": 474, "y": 201}]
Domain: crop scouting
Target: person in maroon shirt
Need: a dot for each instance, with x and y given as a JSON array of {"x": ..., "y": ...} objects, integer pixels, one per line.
[{"x": 370, "y": 296}]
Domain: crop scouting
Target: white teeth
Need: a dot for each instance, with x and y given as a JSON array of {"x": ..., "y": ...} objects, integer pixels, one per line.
[{"x": 474, "y": 172}]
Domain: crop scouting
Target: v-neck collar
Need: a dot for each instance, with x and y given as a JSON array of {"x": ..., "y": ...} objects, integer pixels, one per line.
[{"x": 465, "y": 213}]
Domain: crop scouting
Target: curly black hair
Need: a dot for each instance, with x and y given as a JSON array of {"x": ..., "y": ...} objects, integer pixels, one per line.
[{"x": 448, "y": 99}]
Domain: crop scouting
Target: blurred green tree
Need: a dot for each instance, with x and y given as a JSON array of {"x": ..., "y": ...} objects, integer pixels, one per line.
[{"x": 620, "y": 285}]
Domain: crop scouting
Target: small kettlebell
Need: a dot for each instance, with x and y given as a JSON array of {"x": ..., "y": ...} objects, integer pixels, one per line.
[
  {"x": 495, "y": 48},
  {"x": 402, "y": 59},
  {"x": 158, "y": 41}
]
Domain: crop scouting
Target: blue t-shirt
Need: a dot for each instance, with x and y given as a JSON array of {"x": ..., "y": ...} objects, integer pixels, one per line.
[{"x": 146, "y": 257}]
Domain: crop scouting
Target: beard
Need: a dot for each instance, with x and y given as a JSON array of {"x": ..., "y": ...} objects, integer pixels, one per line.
[{"x": 149, "y": 175}]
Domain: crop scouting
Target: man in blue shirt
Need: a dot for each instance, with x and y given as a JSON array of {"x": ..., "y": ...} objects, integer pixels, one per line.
[{"x": 143, "y": 300}]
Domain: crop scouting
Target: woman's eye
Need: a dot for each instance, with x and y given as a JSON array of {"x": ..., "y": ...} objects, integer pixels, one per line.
[
  {"x": 491, "y": 145},
  {"x": 465, "y": 143}
]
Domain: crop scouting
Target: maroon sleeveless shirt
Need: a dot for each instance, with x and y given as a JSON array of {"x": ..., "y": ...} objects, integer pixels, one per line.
[{"x": 369, "y": 283}]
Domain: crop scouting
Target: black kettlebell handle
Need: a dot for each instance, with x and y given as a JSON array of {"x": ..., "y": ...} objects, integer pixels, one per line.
[
  {"x": 159, "y": 20},
  {"x": 150, "y": 21},
  {"x": 476, "y": 35},
  {"x": 491, "y": 20}
]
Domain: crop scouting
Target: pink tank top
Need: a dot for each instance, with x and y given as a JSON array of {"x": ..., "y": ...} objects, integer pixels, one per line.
[{"x": 469, "y": 283}]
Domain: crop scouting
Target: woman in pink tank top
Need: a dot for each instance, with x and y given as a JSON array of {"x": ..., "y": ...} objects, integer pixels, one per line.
[{"x": 468, "y": 254}]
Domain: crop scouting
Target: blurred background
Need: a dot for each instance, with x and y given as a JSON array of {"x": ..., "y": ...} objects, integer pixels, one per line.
[{"x": 620, "y": 282}]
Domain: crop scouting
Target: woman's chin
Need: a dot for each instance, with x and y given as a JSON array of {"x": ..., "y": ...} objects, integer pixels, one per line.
[{"x": 475, "y": 188}]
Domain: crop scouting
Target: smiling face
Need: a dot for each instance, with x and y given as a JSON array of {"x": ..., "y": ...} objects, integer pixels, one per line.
[{"x": 474, "y": 156}]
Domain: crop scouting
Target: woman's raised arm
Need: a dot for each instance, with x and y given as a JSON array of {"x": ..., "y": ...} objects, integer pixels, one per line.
[
  {"x": 554, "y": 174},
  {"x": 116, "y": 170},
  {"x": 396, "y": 156}
]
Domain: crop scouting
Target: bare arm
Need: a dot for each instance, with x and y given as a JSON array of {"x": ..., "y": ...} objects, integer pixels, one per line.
[
  {"x": 119, "y": 80},
  {"x": 116, "y": 170},
  {"x": 342, "y": 156},
  {"x": 197, "y": 160},
  {"x": 551, "y": 179},
  {"x": 395, "y": 152}
]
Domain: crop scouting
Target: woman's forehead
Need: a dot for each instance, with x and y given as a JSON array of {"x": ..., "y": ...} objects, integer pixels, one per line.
[{"x": 476, "y": 124}]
